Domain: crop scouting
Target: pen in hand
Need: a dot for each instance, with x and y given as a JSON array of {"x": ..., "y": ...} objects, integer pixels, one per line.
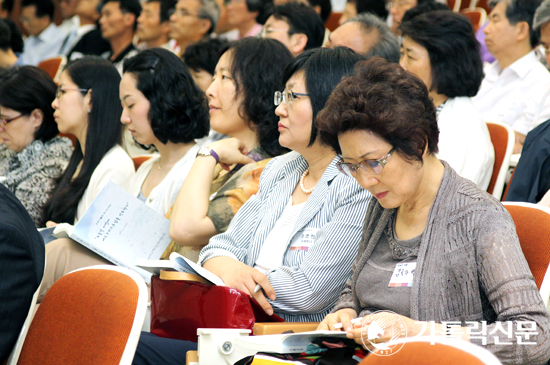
[{"x": 353, "y": 321}]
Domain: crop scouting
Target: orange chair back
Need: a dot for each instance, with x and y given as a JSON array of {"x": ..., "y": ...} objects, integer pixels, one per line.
[
  {"x": 332, "y": 21},
  {"x": 85, "y": 318},
  {"x": 484, "y": 4},
  {"x": 53, "y": 66},
  {"x": 533, "y": 228},
  {"x": 503, "y": 142},
  {"x": 476, "y": 16},
  {"x": 454, "y": 5},
  {"x": 139, "y": 160}
]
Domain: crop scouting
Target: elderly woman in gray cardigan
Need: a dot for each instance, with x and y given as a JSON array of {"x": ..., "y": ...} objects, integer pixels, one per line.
[{"x": 435, "y": 248}]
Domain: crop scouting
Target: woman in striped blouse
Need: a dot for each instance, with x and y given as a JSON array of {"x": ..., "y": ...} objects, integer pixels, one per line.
[{"x": 297, "y": 237}]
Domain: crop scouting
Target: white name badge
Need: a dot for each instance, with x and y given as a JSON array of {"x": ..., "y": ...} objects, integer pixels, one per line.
[
  {"x": 403, "y": 274},
  {"x": 307, "y": 240}
]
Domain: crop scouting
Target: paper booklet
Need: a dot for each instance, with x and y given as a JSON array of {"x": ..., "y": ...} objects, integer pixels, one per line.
[
  {"x": 179, "y": 263},
  {"x": 288, "y": 343},
  {"x": 120, "y": 228}
]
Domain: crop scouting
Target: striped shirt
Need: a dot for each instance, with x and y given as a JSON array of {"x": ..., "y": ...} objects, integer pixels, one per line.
[{"x": 309, "y": 281}]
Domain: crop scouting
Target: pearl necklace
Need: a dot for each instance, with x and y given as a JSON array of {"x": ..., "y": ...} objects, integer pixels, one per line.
[{"x": 304, "y": 190}]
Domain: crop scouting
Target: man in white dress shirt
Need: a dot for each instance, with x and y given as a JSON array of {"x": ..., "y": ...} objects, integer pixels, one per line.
[
  {"x": 44, "y": 39},
  {"x": 515, "y": 88}
]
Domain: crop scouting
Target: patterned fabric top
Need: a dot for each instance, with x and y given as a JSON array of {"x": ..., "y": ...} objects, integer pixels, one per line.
[
  {"x": 229, "y": 191},
  {"x": 31, "y": 173}
]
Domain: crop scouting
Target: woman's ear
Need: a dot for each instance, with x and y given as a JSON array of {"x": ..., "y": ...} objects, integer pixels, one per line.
[
  {"x": 88, "y": 101},
  {"x": 37, "y": 116}
]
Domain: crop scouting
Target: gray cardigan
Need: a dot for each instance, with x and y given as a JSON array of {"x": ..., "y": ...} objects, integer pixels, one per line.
[{"x": 470, "y": 267}]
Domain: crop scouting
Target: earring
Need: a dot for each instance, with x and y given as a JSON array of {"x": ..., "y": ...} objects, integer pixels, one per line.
[{"x": 89, "y": 111}]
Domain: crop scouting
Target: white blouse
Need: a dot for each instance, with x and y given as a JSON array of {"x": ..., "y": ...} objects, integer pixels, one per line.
[
  {"x": 116, "y": 166},
  {"x": 163, "y": 196},
  {"x": 274, "y": 247}
]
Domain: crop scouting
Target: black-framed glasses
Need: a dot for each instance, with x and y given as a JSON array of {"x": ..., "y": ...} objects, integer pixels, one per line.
[
  {"x": 286, "y": 96},
  {"x": 5, "y": 121},
  {"x": 61, "y": 91},
  {"x": 371, "y": 167}
]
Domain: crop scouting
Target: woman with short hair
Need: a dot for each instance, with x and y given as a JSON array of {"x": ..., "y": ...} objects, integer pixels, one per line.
[
  {"x": 32, "y": 156},
  {"x": 459, "y": 243},
  {"x": 441, "y": 49}
]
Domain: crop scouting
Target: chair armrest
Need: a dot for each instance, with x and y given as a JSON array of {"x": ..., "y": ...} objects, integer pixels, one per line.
[
  {"x": 192, "y": 357},
  {"x": 273, "y": 328}
]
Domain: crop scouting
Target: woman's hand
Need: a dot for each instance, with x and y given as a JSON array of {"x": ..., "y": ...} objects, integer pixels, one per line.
[
  {"x": 237, "y": 275},
  {"x": 343, "y": 316},
  {"x": 231, "y": 151},
  {"x": 51, "y": 224}
]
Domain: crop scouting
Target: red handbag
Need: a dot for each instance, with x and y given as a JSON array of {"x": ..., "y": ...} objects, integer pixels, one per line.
[{"x": 179, "y": 307}]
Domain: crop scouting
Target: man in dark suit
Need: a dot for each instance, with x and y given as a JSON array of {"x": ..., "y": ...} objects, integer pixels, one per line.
[{"x": 22, "y": 256}]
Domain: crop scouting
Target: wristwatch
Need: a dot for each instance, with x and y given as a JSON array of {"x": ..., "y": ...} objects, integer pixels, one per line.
[{"x": 207, "y": 151}]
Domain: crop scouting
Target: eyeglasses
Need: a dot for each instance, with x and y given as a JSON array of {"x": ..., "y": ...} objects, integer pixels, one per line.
[
  {"x": 286, "y": 96},
  {"x": 61, "y": 91},
  {"x": 371, "y": 167},
  {"x": 5, "y": 121},
  {"x": 266, "y": 31}
]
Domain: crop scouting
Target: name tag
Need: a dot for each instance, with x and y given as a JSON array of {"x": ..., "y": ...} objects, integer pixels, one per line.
[
  {"x": 403, "y": 274},
  {"x": 306, "y": 241}
]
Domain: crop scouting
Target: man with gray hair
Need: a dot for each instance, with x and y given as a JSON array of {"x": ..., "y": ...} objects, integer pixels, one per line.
[
  {"x": 368, "y": 35},
  {"x": 192, "y": 21},
  {"x": 541, "y": 24},
  {"x": 515, "y": 85}
]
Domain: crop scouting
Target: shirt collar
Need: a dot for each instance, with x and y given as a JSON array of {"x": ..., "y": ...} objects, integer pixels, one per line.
[
  {"x": 521, "y": 67},
  {"x": 48, "y": 33}
]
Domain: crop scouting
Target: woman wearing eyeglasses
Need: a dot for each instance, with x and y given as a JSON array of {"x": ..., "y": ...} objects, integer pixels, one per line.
[
  {"x": 457, "y": 243},
  {"x": 32, "y": 156},
  {"x": 297, "y": 236},
  {"x": 88, "y": 106}
]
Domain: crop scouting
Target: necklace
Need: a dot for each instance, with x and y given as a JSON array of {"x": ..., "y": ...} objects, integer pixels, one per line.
[
  {"x": 399, "y": 252},
  {"x": 304, "y": 190},
  {"x": 159, "y": 166}
]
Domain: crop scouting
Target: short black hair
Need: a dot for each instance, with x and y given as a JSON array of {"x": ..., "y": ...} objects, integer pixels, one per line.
[
  {"x": 376, "y": 7},
  {"x": 43, "y": 7},
  {"x": 384, "y": 99},
  {"x": 522, "y": 11},
  {"x": 16, "y": 40},
  {"x": 449, "y": 38},
  {"x": 263, "y": 7},
  {"x": 166, "y": 7},
  {"x": 323, "y": 69},
  {"x": 302, "y": 19},
  {"x": 257, "y": 68},
  {"x": 424, "y": 8},
  {"x": 178, "y": 110},
  {"x": 204, "y": 55},
  {"x": 326, "y": 8},
  {"x": 126, "y": 6},
  {"x": 5, "y": 36},
  {"x": 27, "y": 88},
  {"x": 7, "y": 5}
]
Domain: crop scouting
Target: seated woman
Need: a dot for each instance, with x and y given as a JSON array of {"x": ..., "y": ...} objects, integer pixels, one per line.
[
  {"x": 297, "y": 236},
  {"x": 461, "y": 243},
  {"x": 162, "y": 107},
  {"x": 32, "y": 156},
  {"x": 241, "y": 106},
  {"x": 87, "y": 107},
  {"x": 440, "y": 47}
]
